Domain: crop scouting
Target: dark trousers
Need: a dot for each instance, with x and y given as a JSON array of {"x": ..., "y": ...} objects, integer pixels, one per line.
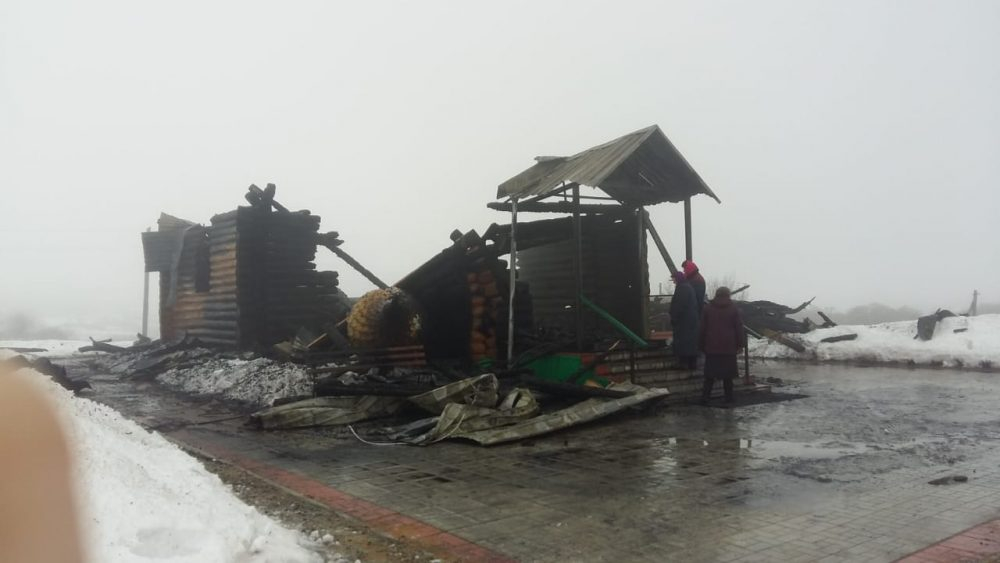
[
  {"x": 727, "y": 387},
  {"x": 689, "y": 362},
  {"x": 720, "y": 366}
]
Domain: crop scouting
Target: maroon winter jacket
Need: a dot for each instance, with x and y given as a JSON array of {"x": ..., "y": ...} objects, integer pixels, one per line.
[{"x": 721, "y": 330}]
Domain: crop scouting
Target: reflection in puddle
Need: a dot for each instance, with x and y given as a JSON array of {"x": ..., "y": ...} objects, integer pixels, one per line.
[{"x": 771, "y": 449}]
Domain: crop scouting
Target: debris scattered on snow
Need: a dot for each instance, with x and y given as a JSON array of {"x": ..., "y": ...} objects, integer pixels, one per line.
[
  {"x": 258, "y": 382},
  {"x": 947, "y": 480},
  {"x": 978, "y": 346}
]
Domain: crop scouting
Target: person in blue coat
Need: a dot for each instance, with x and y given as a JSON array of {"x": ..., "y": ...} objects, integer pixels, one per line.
[{"x": 684, "y": 320}]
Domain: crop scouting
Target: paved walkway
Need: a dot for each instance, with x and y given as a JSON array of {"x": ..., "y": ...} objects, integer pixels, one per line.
[
  {"x": 976, "y": 544},
  {"x": 839, "y": 476}
]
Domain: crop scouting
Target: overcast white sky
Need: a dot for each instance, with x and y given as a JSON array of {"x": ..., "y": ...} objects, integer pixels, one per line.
[{"x": 854, "y": 144}]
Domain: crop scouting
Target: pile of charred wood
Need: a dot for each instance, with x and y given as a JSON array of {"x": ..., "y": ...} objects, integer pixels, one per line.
[{"x": 763, "y": 316}]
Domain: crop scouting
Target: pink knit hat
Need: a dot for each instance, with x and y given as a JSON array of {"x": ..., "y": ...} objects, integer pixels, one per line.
[{"x": 689, "y": 268}]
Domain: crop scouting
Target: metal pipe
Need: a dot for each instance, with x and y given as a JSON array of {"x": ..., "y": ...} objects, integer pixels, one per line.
[
  {"x": 578, "y": 266},
  {"x": 513, "y": 281},
  {"x": 642, "y": 289}
]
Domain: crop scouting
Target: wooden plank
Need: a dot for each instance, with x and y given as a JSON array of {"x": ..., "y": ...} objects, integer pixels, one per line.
[
  {"x": 562, "y": 207},
  {"x": 659, "y": 243}
]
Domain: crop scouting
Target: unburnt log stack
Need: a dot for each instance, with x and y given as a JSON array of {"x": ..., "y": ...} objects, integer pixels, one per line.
[
  {"x": 462, "y": 295},
  {"x": 487, "y": 313}
]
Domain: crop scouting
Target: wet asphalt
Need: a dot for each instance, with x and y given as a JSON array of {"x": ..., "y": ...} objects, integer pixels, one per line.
[{"x": 840, "y": 474}]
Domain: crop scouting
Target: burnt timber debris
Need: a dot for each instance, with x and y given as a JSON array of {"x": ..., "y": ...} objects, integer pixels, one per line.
[
  {"x": 523, "y": 328},
  {"x": 526, "y": 327},
  {"x": 927, "y": 323}
]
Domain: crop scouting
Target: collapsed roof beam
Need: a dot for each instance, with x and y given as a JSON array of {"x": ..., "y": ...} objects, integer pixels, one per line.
[
  {"x": 560, "y": 190},
  {"x": 560, "y": 207},
  {"x": 333, "y": 242},
  {"x": 264, "y": 198}
]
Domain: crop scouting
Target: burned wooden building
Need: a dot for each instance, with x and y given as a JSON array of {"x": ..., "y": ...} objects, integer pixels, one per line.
[
  {"x": 594, "y": 260},
  {"x": 574, "y": 284},
  {"x": 579, "y": 280},
  {"x": 246, "y": 280}
]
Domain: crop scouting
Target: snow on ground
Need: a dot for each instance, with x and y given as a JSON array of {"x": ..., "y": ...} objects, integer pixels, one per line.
[
  {"x": 977, "y": 347},
  {"x": 144, "y": 499},
  {"x": 258, "y": 382}
]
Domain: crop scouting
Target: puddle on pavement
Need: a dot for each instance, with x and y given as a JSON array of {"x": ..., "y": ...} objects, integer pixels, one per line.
[{"x": 771, "y": 449}]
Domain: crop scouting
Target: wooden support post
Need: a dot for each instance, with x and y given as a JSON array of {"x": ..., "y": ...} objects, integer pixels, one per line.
[
  {"x": 578, "y": 266},
  {"x": 688, "y": 247},
  {"x": 642, "y": 286},
  {"x": 513, "y": 282},
  {"x": 145, "y": 301},
  {"x": 747, "y": 379},
  {"x": 659, "y": 244}
]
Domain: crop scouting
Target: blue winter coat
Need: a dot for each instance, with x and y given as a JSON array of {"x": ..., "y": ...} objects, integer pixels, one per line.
[{"x": 684, "y": 320}]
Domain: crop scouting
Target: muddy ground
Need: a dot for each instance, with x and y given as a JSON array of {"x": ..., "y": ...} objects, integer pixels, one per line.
[{"x": 352, "y": 540}]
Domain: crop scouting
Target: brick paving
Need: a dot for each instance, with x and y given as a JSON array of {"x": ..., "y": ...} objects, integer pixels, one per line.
[
  {"x": 975, "y": 544},
  {"x": 686, "y": 484}
]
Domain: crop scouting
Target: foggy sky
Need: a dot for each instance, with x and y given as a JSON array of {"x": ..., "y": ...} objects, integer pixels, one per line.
[{"x": 853, "y": 144}]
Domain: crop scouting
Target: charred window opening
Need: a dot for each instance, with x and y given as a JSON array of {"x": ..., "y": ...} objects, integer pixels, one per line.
[{"x": 202, "y": 266}]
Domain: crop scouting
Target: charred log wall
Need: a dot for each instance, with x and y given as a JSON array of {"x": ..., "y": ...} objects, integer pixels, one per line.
[
  {"x": 182, "y": 306},
  {"x": 262, "y": 280},
  {"x": 615, "y": 276}
]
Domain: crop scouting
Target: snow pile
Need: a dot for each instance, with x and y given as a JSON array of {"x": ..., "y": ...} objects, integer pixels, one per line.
[
  {"x": 978, "y": 346},
  {"x": 258, "y": 382},
  {"x": 143, "y": 499}
]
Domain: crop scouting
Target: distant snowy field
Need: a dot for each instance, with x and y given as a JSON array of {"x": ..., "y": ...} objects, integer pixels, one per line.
[
  {"x": 53, "y": 347},
  {"x": 144, "y": 500},
  {"x": 978, "y": 346}
]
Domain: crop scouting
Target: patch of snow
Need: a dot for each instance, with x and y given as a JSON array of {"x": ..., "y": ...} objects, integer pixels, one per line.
[
  {"x": 143, "y": 499},
  {"x": 258, "y": 382},
  {"x": 978, "y": 346}
]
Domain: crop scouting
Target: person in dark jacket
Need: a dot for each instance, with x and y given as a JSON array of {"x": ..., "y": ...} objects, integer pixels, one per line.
[
  {"x": 684, "y": 322},
  {"x": 720, "y": 338},
  {"x": 697, "y": 282}
]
